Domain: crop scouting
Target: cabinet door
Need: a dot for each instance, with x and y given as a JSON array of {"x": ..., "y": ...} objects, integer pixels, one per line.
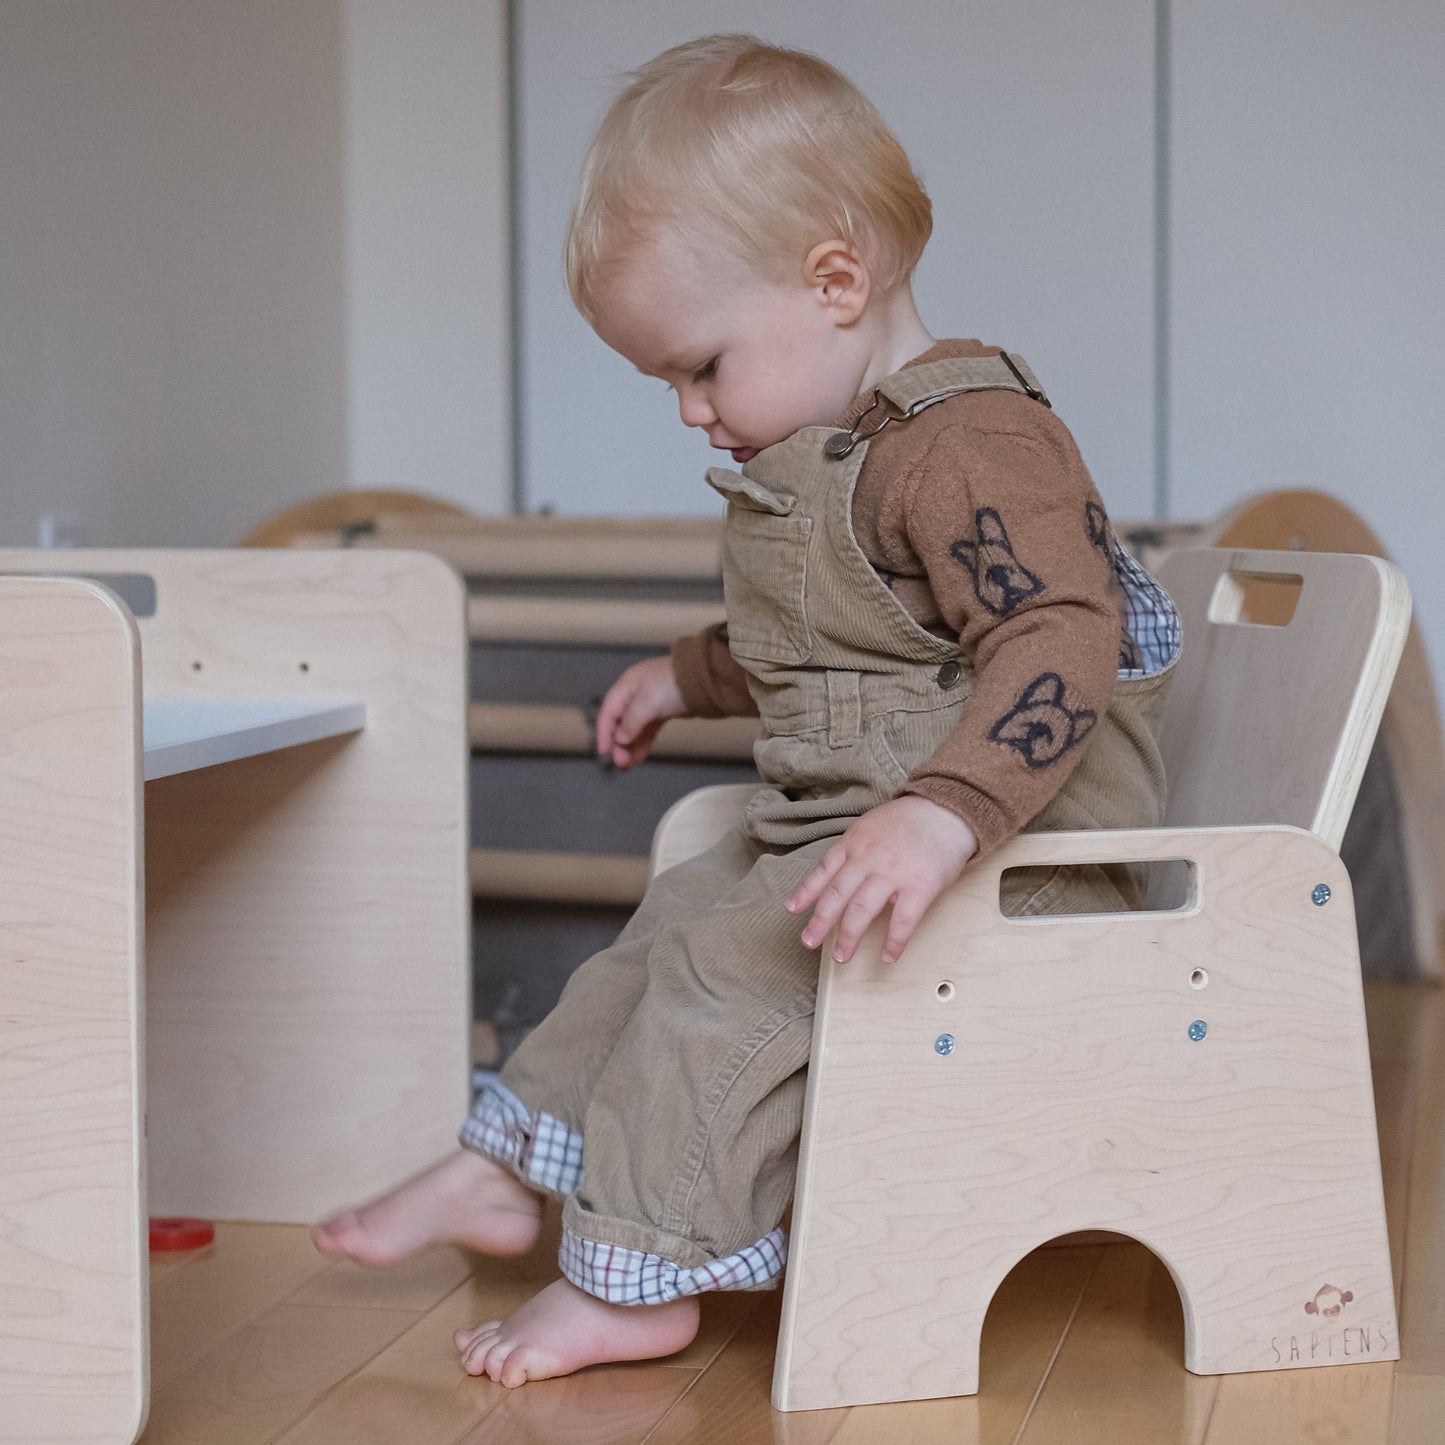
[
  {"x": 1032, "y": 125},
  {"x": 1308, "y": 265}
]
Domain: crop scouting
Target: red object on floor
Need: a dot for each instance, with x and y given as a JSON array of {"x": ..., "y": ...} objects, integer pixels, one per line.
[{"x": 175, "y": 1234}]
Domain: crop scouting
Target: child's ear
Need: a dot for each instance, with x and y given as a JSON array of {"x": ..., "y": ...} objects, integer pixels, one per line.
[{"x": 839, "y": 277}]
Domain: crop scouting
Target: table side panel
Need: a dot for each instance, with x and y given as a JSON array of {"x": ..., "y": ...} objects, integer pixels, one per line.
[{"x": 73, "y": 1300}]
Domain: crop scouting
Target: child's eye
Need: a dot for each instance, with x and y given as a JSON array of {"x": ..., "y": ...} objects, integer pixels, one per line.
[{"x": 706, "y": 371}]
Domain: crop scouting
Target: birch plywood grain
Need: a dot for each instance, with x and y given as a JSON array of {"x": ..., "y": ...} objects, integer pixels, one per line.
[
  {"x": 1274, "y": 724},
  {"x": 1410, "y": 730},
  {"x": 1071, "y": 1353},
  {"x": 307, "y": 911},
  {"x": 1075, "y": 1098},
  {"x": 695, "y": 822},
  {"x": 308, "y": 981},
  {"x": 72, "y": 1294},
  {"x": 1196, "y": 1079}
]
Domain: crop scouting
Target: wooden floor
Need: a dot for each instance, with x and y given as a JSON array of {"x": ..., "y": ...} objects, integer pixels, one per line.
[{"x": 258, "y": 1339}]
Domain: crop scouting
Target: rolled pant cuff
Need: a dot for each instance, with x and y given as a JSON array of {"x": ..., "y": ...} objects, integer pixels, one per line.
[
  {"x": 538, "y": 1147},
  {"x": 623, "y": 1276}
]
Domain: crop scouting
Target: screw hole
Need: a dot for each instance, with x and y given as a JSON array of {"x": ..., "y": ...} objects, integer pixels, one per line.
[
  {"x": 1198, "y": 978},
  {"x": 305, "y": 667},
  {"x": 195, "y": 667},
  {"x": 945, "y": 990}
]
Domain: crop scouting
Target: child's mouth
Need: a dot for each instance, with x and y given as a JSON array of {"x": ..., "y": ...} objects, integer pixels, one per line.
[{"x": 743, "y": 454}]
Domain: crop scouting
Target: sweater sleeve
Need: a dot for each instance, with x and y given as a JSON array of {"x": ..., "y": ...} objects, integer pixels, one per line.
[
  {"x": 1007, "y": 526},
  {"x": 711, "y": 681}
]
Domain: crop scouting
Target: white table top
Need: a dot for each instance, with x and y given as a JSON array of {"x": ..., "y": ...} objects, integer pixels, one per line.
[{"x": 185, "y": 733}]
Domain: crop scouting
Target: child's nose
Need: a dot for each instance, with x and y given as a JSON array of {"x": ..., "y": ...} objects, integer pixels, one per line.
[{"x": 695, "y": 409}]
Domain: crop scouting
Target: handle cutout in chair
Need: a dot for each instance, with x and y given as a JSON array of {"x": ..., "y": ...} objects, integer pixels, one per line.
[
  {"x": 1258, "y": 599},
  {"x": 1168, "y": 885}
]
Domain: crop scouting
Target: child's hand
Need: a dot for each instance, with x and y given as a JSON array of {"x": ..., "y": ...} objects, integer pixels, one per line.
[
  {"x": 634, "y": 710},
  {"x": 905, "y": 852}
]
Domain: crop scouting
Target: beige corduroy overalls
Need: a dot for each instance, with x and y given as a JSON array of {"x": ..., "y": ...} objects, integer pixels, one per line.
[{"x": 678, "y": 1055}]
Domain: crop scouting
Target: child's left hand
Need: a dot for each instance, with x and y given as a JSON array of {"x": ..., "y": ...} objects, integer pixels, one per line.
[{"x": 904, "y": 852}]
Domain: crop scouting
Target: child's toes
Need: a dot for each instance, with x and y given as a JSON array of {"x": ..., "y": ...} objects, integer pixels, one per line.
[
  {"x": 474, "y": 1358},
  {"x": 464, "y": 1339},
  {"x": 332, "y": 1231},
  {"x": 494, "y": 1360},
  {"x": 514, "y": 1370}
]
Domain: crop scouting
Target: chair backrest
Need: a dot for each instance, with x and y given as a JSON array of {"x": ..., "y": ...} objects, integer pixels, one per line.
[{"x": 1272, "y": 715}]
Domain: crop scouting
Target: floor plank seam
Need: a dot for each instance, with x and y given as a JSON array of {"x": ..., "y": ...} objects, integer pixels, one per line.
[
  {"x": 312, "y": 1405},
  {"x": 1058, "y": 1345},
  {"x": 693, "y": 1383},
  {"x": 1209, "y": 1417},
  {"x": 1422, "y": 1110}
]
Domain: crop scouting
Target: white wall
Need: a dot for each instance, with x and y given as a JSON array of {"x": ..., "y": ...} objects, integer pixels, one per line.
[
  {"x": 1032, "y": 125},
  {"x": 172, "y": 307},
  {"x": 254, "y": 250},
  {"x": 1308, "y": 240},
  {"x": 428, "y": 346},
  {"x": 1304, "y": 214},
  {"x": 250, "y": 251}
]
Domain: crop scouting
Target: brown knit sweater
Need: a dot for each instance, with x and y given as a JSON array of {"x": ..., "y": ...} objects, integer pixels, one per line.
[{"x": 942, "y": 500}]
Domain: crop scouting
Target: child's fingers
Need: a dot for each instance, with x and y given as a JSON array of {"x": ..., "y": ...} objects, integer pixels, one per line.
[
  {"x": 808, "y": 890},
  {"x": 613, "y": 706},
  {"x": 630, "y": 728},
  {"x": 908, "y": 908},
  {"x": 867, "y": 902},
  {"x": 836, "y": 895},
  {"x": 641, "y": 746}
]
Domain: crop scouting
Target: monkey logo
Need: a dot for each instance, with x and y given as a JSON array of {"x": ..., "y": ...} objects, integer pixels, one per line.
[
  {"x": 1328, "y": 1301},
  {"x": 1041, "y": 727},
  {"x": 1000, "y": 580}
]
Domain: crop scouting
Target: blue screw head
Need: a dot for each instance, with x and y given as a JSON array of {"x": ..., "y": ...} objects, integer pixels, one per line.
[
  {"x": 1198, "y": 1029},
  {"x": 943, "y": 1044},
  {"x": 1321, "y": 895}
]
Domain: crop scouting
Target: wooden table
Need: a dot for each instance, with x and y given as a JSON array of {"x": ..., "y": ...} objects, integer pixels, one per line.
[{"x": 234, "y": 923}]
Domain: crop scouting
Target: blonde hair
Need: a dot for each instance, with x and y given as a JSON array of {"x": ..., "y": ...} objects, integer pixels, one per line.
[{"x": 768, "y": 151}]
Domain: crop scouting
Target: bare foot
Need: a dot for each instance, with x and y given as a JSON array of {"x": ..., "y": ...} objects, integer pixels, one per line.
[
  {"x": 563, "y": 1328},
  {"x": 465, "y": 1198}
]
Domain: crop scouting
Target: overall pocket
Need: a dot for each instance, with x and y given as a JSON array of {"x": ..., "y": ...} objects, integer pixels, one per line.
[{"x": 765, "y": 572}]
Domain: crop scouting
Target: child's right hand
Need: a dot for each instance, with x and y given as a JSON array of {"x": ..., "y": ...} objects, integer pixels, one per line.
[{"x": 634, "y": 710}]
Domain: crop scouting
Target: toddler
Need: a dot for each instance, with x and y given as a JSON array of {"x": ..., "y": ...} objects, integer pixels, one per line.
[{"x": 926, "y": 606}]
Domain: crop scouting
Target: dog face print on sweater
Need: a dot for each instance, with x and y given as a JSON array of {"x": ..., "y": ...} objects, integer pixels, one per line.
[
  {"x": 1000, "y": 580},
  {"x": 1041, "y": 726}
]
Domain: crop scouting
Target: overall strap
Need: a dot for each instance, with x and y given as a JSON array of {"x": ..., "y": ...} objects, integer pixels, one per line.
[{"x": 915, "y": 388}]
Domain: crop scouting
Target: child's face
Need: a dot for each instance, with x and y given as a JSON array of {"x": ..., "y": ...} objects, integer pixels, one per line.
[{"x": 750, "y": 357}]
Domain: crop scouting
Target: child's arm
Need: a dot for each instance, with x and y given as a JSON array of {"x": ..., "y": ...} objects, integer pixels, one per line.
[
  {"x": 712, "y": 681},
  {"x": 634, "y": 710},
  {"x": 698, "y": 679}
]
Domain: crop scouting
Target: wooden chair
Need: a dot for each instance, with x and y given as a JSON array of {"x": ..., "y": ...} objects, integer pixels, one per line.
[{"x": 1195, "y": 1077}]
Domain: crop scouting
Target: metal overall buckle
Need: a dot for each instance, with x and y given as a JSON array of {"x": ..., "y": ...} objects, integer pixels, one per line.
[{"x": 843, "y": 442}]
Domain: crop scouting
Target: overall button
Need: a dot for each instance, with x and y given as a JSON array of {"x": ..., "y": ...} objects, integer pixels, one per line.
[
  {"x": 949, "y": 674},
  {"x": 840, "y": 444}
]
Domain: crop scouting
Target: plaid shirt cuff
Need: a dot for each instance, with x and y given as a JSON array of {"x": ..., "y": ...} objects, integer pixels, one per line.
[
  {"x": 1151, "y": 625},
  {"x": 538, "y": 1147},
  {"x": 630, "y": 1277}
]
